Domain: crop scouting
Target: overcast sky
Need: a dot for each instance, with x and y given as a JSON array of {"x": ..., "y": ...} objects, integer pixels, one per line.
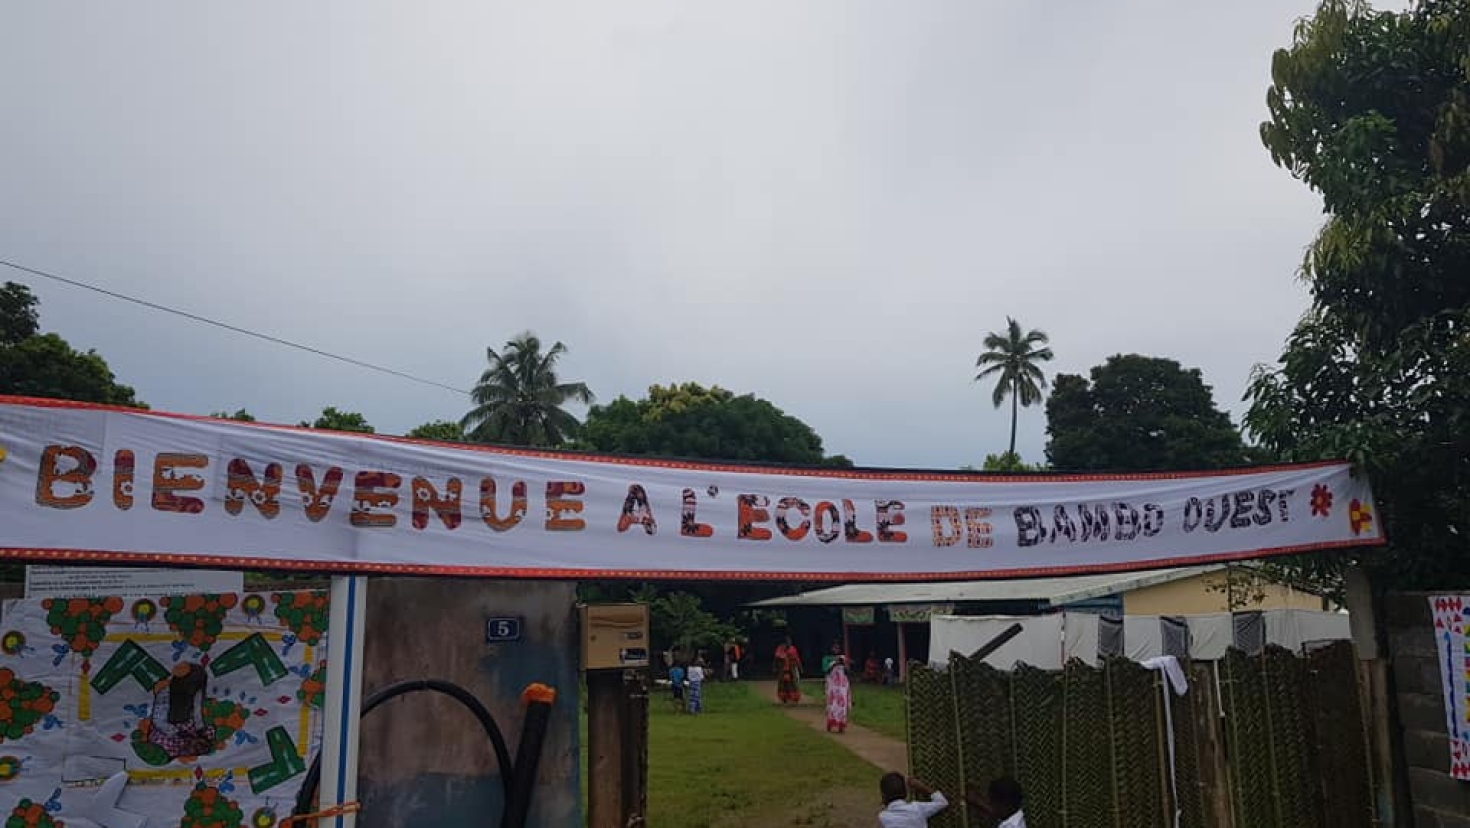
[{"x": 828, "y": 204}]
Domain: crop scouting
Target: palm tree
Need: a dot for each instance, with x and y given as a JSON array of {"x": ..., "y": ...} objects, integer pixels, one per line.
[
  {"x": 519, "y": 398},
  {"x": 1013, "y": 356}
]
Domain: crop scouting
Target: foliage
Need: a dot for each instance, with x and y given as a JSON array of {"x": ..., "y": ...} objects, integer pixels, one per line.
[
  {"x": 1139, "y": 413},
  {"x": 18, "y": 318},
  {"x": 679, "y": 619},
  {"x": 691, "y": 421},
  {"x": 1012, "y": 358},
  {"x": 240, "y": 415},
  {"x": 519, "y": 398},
  {"x": 33, "y": 364},
  {"x": 1372, "y": 111},
  {"x": 334, "y": 420},
  {"x": 1009, "y": 461},
  {"x": 442, "y": 430}
]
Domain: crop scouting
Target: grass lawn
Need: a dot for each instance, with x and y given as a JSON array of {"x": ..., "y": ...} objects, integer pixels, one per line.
[
  {"x": 745, "y": 762},
  {"x": 880, "y": 708},
  {"x": 873, "y": 706}
]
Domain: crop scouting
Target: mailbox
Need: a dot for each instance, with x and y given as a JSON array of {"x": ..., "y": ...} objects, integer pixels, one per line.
[{"x": 614, "y": 636}]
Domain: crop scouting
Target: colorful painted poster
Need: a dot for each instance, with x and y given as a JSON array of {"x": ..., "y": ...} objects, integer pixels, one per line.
[
  {"x": 857, "y": 616},
  {"x": 84, "y": 484},
  {"x": 183, "y": 710},
  {"x": 1451, "y": 620}
]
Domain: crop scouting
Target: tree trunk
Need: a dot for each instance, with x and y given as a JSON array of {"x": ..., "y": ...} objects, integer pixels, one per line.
[{"x": 1014, "y": 394}]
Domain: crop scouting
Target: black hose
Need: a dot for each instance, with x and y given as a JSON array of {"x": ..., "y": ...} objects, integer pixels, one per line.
[
  {"x": 538, "y": 699},
  {"x": 508, "y": 771}
]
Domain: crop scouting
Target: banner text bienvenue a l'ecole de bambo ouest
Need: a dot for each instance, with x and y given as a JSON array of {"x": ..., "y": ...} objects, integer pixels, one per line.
[{"x": 106, "y": 485}]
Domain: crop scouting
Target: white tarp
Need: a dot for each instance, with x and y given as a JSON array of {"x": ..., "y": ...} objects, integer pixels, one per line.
[
  {"x": 1210, "y": 635},
  {"x": 1039, "y": 644},
  {"x": 96, "y": 485},
  {"x": 1050, "y": 641}
]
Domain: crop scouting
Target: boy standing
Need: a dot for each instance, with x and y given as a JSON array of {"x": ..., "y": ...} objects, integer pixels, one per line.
[{"x": 900, "y": 813}]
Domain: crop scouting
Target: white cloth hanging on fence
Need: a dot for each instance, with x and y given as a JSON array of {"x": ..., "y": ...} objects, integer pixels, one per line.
[{"x": 1173, "y": 676}]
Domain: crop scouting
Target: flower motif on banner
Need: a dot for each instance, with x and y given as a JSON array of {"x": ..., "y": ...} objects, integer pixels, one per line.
[
  {"x": 1321, "y": 500},
  {"x": 1360, "y": 517}
]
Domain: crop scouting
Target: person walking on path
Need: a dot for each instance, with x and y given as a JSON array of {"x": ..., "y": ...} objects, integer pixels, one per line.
[
  {"x": 839, "y": 690},
  {"x": 788, "y": 673}
]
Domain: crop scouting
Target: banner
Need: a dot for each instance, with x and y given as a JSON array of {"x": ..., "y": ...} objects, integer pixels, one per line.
[
  {"x": 88, "y": 484},
  {"x": 1451, "y": 618},
  {"x": 857, "y": 616},
  {"x": 198, "y": 711},
  {"x": 917, "y": 613}
]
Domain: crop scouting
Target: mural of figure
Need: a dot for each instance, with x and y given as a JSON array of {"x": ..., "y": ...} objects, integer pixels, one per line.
[{"x": 177, "y": 716}]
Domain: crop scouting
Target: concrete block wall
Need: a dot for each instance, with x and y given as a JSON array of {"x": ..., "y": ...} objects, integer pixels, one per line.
[
  {"x": 1438, "y": 801},
  {"x": 424, "y": 759}
]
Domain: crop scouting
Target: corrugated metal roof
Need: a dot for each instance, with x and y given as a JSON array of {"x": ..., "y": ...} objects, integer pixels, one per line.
[{"x": 1055, "y": 591}]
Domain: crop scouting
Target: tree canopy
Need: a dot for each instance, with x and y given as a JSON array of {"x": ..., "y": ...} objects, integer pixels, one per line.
[
  {"x": 1371, "y": 109},
  {"x": 1012, "y": 359},
  {"x": 1138, "y": 413},
  {"x": 240, "y": 415},
  {"x": 333, "y": 420},
  {"x": 692, "y": 421},
  {"x": 442, "y": 430},
  {"x": 519, "y": 398},
  {"x": 33, "y": 364}
]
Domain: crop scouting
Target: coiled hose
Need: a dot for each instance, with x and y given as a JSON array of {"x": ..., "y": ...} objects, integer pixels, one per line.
[{"x": 517, "y": 779}]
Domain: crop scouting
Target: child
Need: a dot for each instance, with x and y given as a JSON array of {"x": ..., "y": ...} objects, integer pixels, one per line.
[
  {"x": 676, "y": 684},
  {"x": 696, "y": 686},
  {"x": 899, "y": 813},
  {"x": 1004, "y": 803}
]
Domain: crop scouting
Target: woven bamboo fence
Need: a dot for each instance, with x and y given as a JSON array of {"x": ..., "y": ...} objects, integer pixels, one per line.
[{"x": 1269, "y": 741}]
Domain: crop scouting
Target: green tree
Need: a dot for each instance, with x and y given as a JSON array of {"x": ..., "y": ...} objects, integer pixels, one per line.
[
  {"x": 334, "y": 420},
  {"x": 19, "y": 320},
  {"x": 441, "y": 430},
  {"x": 1139, "y": 413},
  {"x": 1371, "y": 109},
  {"x": 519, "y": 397},
  {"x": 33, "y": 364},
  {"x": 240, "y": 415},
  {"x": 695, "y": 422},
  {"x": 1008, "y": 461},
  {"x": 1012, "y": 359}
]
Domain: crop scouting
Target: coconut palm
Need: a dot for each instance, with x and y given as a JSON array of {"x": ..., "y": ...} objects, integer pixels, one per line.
[
  {"x": 519, "y": 398},
  {"x": 1012, "y": 357}
]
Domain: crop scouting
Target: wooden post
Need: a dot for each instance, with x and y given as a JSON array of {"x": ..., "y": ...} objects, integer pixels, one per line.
[
  {"x": 846, "y": 643},
  {"x": 903, "y": 656},
  {"x": 605, "y": 771},
  {"x": 617, "y": 749},
  {"x": 634, "y": 746},
  {"x": 1214, "y": 780}
]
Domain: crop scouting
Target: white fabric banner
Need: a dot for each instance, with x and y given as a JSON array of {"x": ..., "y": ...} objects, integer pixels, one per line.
[{"x": 89, "y": 484}]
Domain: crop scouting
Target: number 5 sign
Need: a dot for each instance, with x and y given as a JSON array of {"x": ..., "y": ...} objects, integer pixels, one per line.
[{"x": 499, "y": 630}]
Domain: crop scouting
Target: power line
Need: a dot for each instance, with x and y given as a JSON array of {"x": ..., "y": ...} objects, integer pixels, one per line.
[{"x": 226, "y": 326}]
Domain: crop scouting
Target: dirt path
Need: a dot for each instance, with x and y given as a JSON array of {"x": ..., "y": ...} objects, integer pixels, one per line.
[{"x": 883, "y": 752}]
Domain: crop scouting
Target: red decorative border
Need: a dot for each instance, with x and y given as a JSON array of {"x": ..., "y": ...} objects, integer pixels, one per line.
[
  {"x": 97, "y": 556},
  {"x": 930, "y": 476}
]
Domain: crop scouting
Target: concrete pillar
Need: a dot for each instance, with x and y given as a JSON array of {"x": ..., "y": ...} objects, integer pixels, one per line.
[{"x": 424, "y": 759}]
